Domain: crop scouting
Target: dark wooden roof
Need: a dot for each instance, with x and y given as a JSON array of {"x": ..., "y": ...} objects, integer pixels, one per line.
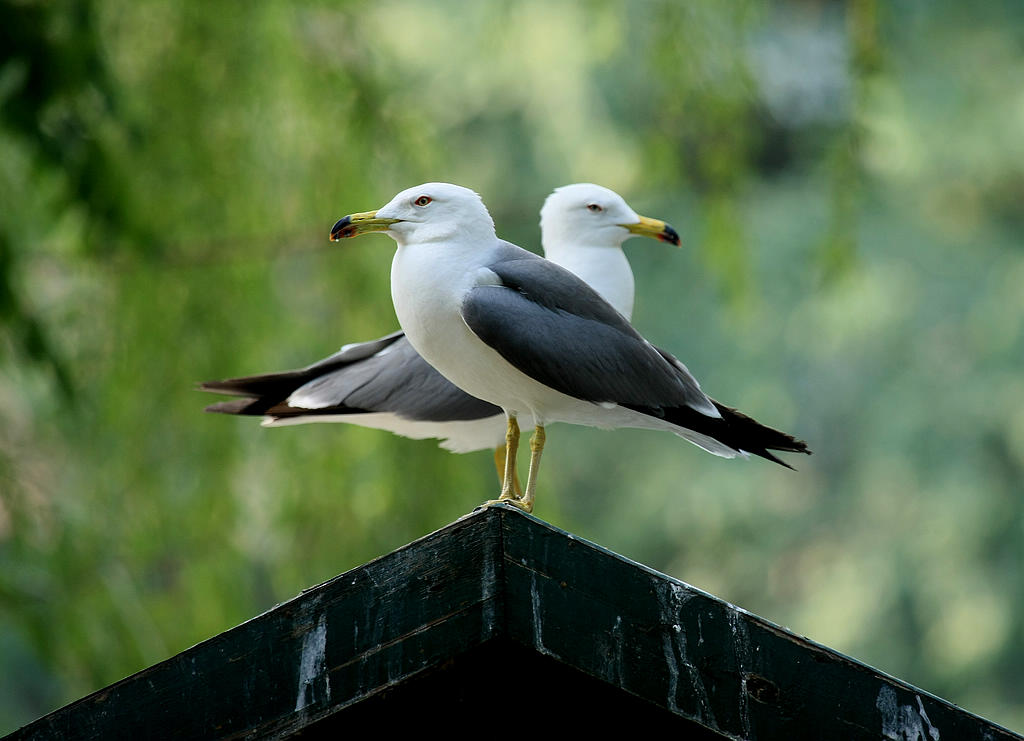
[{"x": 500, "y": 623}]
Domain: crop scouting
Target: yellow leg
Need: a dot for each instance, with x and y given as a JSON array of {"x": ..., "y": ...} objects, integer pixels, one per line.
[
  {"x": 536, "y": 448},
  {"x": 511, "y": 447},
  {"x": 499, "y": 466},
  {"x": 510, "y": 491}
]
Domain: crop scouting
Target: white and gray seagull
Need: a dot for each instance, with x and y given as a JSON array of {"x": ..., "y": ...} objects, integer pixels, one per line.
[
  {"x": 385, "y": 384},
  {"x": 526, "y": 335}
]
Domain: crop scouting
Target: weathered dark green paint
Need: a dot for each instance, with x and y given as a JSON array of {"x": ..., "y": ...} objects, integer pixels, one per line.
[{"x": 503, "y": 620}]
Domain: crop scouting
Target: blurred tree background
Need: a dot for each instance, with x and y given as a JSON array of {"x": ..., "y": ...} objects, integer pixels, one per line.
[{"x": 848, "y": 179}]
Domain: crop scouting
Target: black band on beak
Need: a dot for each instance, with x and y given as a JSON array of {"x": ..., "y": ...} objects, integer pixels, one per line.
[
  {"x": 668, "y": 234},
  {"x": 342, "y": 229}
]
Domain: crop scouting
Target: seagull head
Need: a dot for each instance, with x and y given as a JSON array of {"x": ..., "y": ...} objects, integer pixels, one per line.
[
  {"x": 588, "y": 214},
  {"x": 430, "y": 212}
]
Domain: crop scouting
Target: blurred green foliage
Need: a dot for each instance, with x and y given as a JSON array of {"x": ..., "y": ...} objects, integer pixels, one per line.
[{"x": 849, "y": 183}]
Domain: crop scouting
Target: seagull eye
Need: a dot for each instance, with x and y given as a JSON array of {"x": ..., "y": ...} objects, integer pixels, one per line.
[
  {"x": 594, "y": 208},
  {"x": 422, "y": 201}
]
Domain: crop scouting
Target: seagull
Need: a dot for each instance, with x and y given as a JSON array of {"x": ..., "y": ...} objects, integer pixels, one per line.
[
  {"x": 530, "y": 337},
  {"x": 385, "y": 384}
]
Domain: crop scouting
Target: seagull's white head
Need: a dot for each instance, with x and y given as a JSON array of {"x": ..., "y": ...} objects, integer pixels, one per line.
[
  {"x": 588, "y": 215},
  {"x": 431, "y": 212}
]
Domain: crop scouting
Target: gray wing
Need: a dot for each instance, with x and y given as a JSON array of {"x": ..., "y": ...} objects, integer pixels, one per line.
[
  {"x": 397, "y": 380},
  {"x": 357, "y": 351},
  {"x": 553, "y": 327},
  {"x": 384, "y": 375},
  {"x": 278, "y": 385}
]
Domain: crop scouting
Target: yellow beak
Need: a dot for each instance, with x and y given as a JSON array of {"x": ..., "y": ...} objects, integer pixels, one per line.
[
  {"x": 654, "y": 228},
  {"x": 355, "y": 224}
]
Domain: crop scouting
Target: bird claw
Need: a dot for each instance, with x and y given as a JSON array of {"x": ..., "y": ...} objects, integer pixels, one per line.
[{"x": 517, "y": 503}]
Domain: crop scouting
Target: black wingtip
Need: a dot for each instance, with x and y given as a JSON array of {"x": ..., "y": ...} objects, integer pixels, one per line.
[
  {"x": 774, "y": 459},
  {"x": 736, "y": 430}
]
